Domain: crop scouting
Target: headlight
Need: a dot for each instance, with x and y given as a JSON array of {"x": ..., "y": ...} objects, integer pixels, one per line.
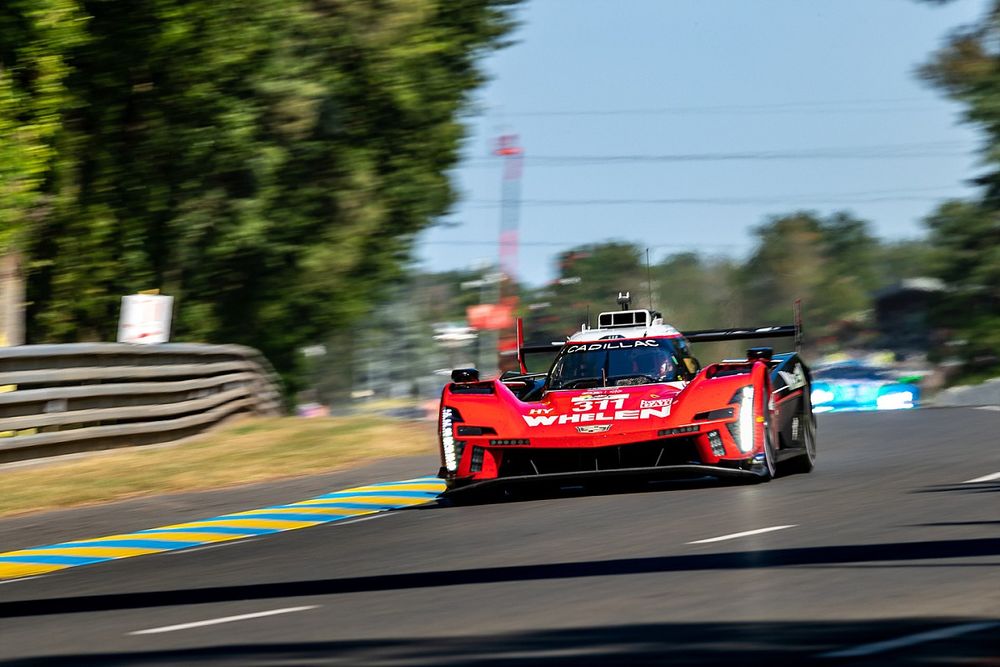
[
  {"x": 448, "y": 440},
  {"x": 745, "y": 439},
  {"x": 897, "y": 400},
  {"x": 820, "y": 396}
]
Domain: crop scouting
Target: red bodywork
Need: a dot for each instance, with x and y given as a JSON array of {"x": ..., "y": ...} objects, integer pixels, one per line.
[{"x": 493, "y": 434}]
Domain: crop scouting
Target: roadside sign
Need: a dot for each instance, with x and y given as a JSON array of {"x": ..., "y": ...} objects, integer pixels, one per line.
[
  {"x": 145, "y": 319},
  {"x": 490, "y": 316}
]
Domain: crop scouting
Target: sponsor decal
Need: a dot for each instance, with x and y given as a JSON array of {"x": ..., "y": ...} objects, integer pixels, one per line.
[
  {"x": 599, "y": 393},
  {"x": 594, "y": 428},
  {"x": 531, "y": 420},
  {"x": 795, "y": 379},
  {"x": 604, "y": 407},
  {"x": 612, "y": 345},
  {"x": 584, "y": 417}
]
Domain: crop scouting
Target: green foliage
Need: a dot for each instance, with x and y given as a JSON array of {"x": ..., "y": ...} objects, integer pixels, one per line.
[
  {"x": 966, "y": 235},
  {"x": 783, "y": 267},
  {"x": 266, "y": 163},
  {"x": 833, "y": 265},
  {"x": 966, "y": 256},
  {"x": 694, "y": 292},
  {"x": 35, "y": 39}
]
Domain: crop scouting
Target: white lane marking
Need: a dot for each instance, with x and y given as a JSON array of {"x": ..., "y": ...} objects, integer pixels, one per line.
[
  {"x": 745, "y": 533},
  {"x": 995, "y": 408},
  {"x": 206, "y": 547},
  {"x": 14, "y": 581},
  {"x": 920, "y": 638},
  {"x": 364, "y": 518},
  {"x": 225, "y": 619},
  {"x": 984, "y": 478}
]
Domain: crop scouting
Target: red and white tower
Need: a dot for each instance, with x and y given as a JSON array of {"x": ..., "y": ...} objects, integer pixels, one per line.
[{"x": 509, "y": 149}]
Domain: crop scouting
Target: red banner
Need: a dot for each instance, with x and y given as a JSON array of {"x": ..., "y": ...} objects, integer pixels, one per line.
[{"x": 490, "y": 316}]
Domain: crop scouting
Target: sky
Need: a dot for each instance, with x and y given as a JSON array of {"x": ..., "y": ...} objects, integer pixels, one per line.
[{"x": 683, "y": 124}]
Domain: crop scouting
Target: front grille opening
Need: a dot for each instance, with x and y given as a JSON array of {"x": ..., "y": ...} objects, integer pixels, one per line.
[
  {"x": 649, "y": 454},
  {"x": 476, "y": 464}
]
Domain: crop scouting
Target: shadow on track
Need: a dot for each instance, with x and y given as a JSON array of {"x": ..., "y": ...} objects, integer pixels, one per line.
[
  {"x": 747, "y": 643},
  {"x": 540, "y": 490},
  {"x": 981, "y": 487},
  {"x": 954, "y": 523},
  {"x": 737, "y": 560}
]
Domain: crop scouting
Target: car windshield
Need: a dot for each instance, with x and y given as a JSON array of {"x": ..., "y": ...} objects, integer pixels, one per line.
[
  {"x": 614, "y": 363},
  {"x": 851, "y": 373}
]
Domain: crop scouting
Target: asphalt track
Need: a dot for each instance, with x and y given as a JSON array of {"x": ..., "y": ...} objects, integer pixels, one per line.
[{"x": 888, "y": 553}]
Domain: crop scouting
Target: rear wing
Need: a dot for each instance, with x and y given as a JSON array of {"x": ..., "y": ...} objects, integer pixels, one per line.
[
  {"x": 793, "y": 330},
  {"x": 524, "y": 350}
]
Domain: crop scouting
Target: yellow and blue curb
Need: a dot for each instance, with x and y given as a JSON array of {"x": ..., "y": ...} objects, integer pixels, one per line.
[{"x": 337, "y": 506}]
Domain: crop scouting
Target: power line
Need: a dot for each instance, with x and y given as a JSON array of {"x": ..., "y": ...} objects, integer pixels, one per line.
[
  {"x": 863, "y": 197},
  {"x": 890, "y": 105},
  {"x": 876, "y": 152},
  {"x": 566, "y": 244}
]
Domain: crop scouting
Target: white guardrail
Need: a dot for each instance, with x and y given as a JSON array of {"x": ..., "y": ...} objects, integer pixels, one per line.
[{"x": 60, "y": 399}]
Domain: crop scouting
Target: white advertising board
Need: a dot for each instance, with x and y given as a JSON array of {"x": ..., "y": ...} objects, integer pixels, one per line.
[{"x": 145, "y": 319}]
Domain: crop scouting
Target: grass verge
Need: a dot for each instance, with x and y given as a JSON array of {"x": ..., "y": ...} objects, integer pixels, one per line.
[{"x": 250, "y": 450}]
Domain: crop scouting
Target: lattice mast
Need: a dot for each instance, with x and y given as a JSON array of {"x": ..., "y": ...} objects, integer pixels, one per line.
[{"x": 510, "y": 151}]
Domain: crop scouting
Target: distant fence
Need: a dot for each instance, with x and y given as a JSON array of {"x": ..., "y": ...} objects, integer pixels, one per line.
[{"x": 58, "y": 399}]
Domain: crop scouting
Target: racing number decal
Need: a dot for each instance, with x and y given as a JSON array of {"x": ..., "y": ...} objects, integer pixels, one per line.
[
  {"x": 587, "y": 403},
  {"x": 608, "y": 408}
]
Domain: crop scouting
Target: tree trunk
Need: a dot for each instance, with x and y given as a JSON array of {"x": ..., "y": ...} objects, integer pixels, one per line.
[{"x": 11, "y": 299}]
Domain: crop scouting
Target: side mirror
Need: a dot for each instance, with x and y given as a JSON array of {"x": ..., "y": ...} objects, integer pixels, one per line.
[
  {"x": 461, "y": 375},
  {"x": 763, "y": 353}
]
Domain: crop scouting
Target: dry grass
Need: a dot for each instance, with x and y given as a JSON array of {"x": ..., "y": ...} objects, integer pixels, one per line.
[{"x": 250, "y": 450}]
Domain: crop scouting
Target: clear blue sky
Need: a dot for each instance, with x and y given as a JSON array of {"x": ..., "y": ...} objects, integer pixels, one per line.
[{"x": 807, "y": 84}]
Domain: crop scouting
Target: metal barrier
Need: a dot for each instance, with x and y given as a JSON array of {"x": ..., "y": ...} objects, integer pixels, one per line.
[{"x": 59, "y": 399}]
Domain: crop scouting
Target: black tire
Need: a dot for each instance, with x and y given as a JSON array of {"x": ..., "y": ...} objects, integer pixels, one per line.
[
  {"x": 806, "y": 461},
  {"x": 770, "y": 470}
]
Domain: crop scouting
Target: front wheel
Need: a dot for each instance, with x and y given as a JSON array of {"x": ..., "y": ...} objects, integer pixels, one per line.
[{"x": 769, "y": 469}]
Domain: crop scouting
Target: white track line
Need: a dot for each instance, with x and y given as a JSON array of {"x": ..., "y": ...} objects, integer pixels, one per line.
[
  {"x": 745, "y": 533},
  {"x": 923, "y": 637},
  {"x": 984, "y": 478},
  {"x": 380, "y": 515},
  {"x": 14, "y": 581},
  {"x": 206, "y": 547},
  {"x": 225, "y": 619}
]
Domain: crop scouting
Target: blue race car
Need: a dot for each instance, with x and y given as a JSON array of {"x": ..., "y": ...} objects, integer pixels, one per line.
[{"x": 852, "y": 386}]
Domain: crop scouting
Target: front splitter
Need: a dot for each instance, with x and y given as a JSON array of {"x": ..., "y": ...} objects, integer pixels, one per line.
[{"x": 685, "y": 471}]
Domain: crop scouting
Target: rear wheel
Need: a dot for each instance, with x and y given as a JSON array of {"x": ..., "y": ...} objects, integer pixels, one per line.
[{"x": 805, "y": 461}]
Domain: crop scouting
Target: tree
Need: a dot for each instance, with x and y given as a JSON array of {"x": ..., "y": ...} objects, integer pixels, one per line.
[
  {"x": 966, "y": 235},
  {"x": 267, "y": 163},
  {"x": 35, "y": 37},
  {"x": 834, "y": 265},
  {"x": 785, "y": 266}
]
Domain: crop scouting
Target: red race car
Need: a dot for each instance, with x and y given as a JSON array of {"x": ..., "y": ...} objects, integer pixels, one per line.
[{"x": 628, "y": 397}]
